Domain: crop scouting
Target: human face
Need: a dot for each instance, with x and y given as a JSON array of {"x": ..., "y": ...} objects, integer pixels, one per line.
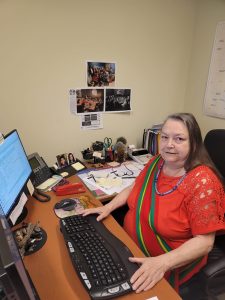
[
  {"x": 63, "y": 161},
  {"x": 174, "y": 142}
]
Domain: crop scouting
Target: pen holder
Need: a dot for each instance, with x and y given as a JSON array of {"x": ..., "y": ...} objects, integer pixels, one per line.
[{"x": 109, "y": 155}]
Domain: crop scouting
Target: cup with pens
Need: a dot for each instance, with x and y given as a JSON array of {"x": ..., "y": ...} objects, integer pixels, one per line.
[{"x": 108, "y": 149}]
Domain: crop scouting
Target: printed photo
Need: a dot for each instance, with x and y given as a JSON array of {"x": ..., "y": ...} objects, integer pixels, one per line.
[
  {"x": 71, "y": 158},
  {"x": 89, "y": 100},
  {"x": 62, "y": 160},
  {"x": 118, "y": 100},
  {"x": 91, "y": 121},
  {"x": 101, "y": 74}
]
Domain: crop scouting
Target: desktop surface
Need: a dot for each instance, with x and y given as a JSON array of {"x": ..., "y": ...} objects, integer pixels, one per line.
[{"x": 51, "y": 269}]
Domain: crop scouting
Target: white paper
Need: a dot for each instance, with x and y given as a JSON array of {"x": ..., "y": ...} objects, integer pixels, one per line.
[
  {"x": 91, "y": 121},
  {"x": 1, "y": 138},
  {"x": 153, "y": 298},
  {"x": 127, "y": 173},
  {"x": 78, "y": 166},
  {"x": 72, "y": 101},
  {"x": 30, "y": 187},
  {"x": 110, "y": 191},
  {"x": 97, "y": 154},
  {"x": 49, "y": 183},
  {"x": 18, "y": 209},
  {"x": 214, "y": 102}
]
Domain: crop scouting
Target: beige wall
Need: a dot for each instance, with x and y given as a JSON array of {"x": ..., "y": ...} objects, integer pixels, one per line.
[
  {"x": 44, "y": 47},
  {"x": 209, "y": 13}
]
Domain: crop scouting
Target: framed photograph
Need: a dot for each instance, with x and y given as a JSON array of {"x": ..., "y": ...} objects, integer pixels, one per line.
[
  {"x": 62, "y": 160},
  {"x": 71, "y": 158},
  {"x": 101, "y": 74},
  {"x": 117, "y": 100},
  {"x": 89, "y": 100}
]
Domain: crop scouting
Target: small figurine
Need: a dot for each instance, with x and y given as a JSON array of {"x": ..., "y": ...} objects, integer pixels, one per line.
[
  {"x": 26, "y": 236},
  {"x": 120, "y": 149}
]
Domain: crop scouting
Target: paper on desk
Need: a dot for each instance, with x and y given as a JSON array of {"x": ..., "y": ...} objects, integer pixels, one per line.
[
  {"x": 97, "y": 154},
  {"x": 153, "y": 298},
  {"x": 97, "y": 192},
  {"x": 78, "y": 166},
  {"x": 18, "y": 209},
  {"x": 49, "y": 183},
  {"x": 111, "y": 190},
  {"x": 130, "y": 172},
  {"x": 108, "y": 183}
]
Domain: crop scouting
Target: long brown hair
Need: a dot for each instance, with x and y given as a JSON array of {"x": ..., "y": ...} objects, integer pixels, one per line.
[{"x": 198, "y": 154}]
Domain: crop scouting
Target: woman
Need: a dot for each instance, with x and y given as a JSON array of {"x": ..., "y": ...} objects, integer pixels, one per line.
[
  {"x": 176, "y": 206},
  {"x": 63, "y": 162},
  {"x": 71, "y": 159}
]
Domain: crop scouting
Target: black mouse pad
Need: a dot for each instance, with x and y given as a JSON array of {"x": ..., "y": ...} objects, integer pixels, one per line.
[{"x": 82, "y": 202}]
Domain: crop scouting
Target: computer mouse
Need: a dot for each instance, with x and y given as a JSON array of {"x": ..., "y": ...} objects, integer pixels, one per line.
[{"x": 66, "y": 204}]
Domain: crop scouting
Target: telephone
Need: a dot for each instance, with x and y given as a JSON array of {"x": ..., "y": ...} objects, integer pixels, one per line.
[
  {"x": 42, "y": 177},
  {"x": 41, "y": 171}
]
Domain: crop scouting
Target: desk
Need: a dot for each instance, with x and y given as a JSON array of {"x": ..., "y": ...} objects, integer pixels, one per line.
[{"x": 51, "y": 269}]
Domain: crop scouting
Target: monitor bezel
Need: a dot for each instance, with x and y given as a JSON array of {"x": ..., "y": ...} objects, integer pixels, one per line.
[
  {"x": 14, "y": 277},
  {"x": 16, "y": 201}
]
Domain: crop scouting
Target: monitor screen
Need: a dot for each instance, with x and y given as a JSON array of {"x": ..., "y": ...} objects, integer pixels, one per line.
[
  {"x": 15, "y": 282},
  {"x": 15, "y": 171}
]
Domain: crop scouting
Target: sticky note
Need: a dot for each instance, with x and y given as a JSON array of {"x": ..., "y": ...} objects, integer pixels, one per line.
[{"x": 78, "y": 166}]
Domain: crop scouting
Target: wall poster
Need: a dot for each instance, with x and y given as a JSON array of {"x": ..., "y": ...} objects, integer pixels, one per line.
[{"x": 214, "y": 102}]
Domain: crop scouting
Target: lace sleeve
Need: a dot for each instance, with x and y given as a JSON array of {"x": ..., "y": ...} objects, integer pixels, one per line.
[{"x": 205, "y": 201}]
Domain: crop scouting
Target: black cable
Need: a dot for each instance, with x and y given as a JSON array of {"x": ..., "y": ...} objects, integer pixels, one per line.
[{"x": 44, "y": 197}]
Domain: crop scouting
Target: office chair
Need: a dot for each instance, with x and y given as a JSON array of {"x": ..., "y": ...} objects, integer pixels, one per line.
[{"x": 215, "y": 269}]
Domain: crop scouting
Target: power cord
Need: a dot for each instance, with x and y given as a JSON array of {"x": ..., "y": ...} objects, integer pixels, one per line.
[{"x": 40, "y": 196}]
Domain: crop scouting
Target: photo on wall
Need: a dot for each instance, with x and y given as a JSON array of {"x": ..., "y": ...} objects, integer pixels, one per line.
[
  {"x": 91, "y": 121},
  {"x": 117, "y": 100},
  {"x": 101, "y": 74},
  {"x": 88, "y": 101}
]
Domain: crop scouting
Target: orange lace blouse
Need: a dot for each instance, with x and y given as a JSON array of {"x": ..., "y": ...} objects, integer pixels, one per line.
[{"x": 196, "y": 207}]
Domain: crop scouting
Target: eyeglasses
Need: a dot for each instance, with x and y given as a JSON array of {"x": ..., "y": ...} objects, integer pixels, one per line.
[{"x": 127, "y": 174}]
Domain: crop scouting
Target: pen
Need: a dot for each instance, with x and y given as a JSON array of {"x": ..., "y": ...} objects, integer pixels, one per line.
[{"x": 91, "y": 176}]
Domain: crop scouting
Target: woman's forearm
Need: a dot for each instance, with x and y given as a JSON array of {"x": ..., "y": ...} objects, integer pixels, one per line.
[
  {"x": 120, "y": 199},
  {"x": 196, "y": 247}
]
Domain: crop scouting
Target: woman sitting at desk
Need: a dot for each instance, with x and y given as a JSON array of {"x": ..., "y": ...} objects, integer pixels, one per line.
[{"x": 176, "y": 206}]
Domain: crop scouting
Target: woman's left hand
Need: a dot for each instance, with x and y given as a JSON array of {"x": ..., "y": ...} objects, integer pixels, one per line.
[{"x": 152, "y": 269}]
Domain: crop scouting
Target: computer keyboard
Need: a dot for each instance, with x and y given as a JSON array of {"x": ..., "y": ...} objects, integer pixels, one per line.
[{"x": 99, "y": 258}]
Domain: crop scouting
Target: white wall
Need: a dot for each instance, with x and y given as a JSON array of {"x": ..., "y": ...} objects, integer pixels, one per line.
[
  {"x": 209, "y": 13},
  {"x": 44, "y": 47}
]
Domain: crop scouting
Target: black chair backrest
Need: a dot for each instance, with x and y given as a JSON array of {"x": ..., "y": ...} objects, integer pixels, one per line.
[{"x": 215, "y": 145}]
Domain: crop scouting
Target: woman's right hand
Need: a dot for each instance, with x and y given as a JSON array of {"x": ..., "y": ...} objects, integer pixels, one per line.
[{"x": 102, "y": 211}]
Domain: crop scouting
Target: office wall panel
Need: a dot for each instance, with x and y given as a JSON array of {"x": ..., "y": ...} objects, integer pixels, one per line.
[{"x": 44, "y": 47}]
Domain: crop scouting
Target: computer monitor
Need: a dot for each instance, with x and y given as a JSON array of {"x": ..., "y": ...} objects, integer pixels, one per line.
[
  {"x": 15, "y": 282},
  {"x": 15, "y": 171}
]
